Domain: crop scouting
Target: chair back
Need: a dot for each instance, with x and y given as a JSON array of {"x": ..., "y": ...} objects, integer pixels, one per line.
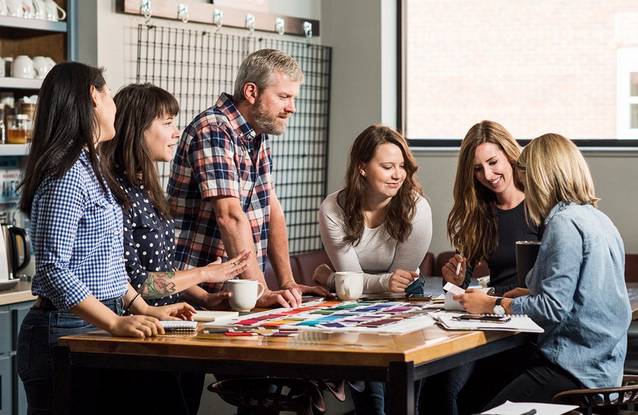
[{"x": 601, "y": 400}]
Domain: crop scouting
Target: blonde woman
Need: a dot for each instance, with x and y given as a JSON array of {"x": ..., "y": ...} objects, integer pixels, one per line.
[{"x": 576, "y": 290}]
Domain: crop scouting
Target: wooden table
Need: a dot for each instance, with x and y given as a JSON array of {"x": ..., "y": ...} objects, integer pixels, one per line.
[{"x": 397, "y": 360}]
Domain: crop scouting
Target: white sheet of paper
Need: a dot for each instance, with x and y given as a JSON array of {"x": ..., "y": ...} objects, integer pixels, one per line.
[
  {"x": 454, "y": 289},
  {"x": 518, "y": 408}
]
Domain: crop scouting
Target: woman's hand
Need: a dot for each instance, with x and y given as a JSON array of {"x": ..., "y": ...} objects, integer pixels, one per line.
[
  {"x": 177, "y": 311},
  {"x": 476, "y": 301},
  {"x": 220, "y": 272},
  {"x": 214, "y": 300},
  {"x": 136, "y": 326},
  {"x": 321, "y": 274},
  {"x": 516, "y": 292},
  {"x": 448, "y": 271},
  {"x": 400, "y": 280}
]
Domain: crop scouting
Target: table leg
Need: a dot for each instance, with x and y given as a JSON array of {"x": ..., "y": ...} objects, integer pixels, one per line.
[{"x": 400, "y": 388}]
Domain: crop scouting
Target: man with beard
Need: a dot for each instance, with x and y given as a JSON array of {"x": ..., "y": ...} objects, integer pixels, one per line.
[{"x": 221, "y": 191}]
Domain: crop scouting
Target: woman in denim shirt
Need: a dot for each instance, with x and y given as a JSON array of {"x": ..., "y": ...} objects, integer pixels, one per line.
[
  {"x": 76, "y": 227},
  {"x": 576, "y": 290}
]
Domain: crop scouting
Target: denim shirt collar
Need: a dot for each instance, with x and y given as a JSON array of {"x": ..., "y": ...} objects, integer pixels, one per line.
[{"x": 557, "y": 208}]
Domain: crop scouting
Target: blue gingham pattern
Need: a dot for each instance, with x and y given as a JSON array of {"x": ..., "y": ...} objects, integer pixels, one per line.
[
  {"x": 77, "y": 237},
  {"x": 219, "y": 155}
]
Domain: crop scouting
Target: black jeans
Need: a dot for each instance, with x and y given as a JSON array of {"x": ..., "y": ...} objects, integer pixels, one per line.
[{"x": 522, "y": 374}]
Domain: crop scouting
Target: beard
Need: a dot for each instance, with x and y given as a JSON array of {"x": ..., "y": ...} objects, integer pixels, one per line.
[{"x": 266, "y": 122}]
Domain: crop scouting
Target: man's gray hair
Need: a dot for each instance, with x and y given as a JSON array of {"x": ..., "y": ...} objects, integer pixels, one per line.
[{"x": 260, "y": 65}]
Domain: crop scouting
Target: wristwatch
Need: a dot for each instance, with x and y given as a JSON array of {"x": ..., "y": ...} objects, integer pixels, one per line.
[{"x": 499, "y": 310}]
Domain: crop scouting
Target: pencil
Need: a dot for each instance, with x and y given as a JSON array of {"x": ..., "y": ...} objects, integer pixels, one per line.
[{"x": 458, "y": 266}]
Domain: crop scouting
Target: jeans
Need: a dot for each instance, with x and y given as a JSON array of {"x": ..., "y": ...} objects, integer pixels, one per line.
[
  {"x": 368, "y": 397},
  {"x": 39, "y": 334}
]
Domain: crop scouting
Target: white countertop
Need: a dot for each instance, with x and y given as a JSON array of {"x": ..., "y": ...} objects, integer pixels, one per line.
[{"x": 20, "y": 293}]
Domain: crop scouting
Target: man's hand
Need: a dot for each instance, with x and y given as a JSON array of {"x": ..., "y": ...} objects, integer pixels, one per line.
[
  {"x": 516, "y": 292},
  {"x": 284, "y": 298},
  {"x": 306, "y": 289}
]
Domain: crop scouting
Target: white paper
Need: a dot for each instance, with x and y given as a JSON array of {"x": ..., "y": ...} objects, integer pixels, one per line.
[
  {"x": 454, "y": 289},
  {"x": 518, "y": 408},
  {"x": 516, "y": 323},
  {"x": 204, "y": 315}
]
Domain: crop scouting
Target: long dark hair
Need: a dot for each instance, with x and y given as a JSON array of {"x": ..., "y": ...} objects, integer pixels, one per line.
[
  {"x": 126, "y": 156},
  {"x": 65, "y": 124},
  {"x": 471, "y": 224},
  {"x": 401, "y": 209}
]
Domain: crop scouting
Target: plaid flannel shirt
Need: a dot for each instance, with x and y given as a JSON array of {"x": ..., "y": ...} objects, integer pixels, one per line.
[{"x": 219, "y": 155}]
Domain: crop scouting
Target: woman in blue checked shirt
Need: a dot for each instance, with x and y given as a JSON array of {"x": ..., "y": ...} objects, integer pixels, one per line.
[{"x": 76, "y": 227}]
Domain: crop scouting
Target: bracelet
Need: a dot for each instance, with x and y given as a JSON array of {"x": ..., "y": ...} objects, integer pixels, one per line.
[{"x": 131, "y": 303}]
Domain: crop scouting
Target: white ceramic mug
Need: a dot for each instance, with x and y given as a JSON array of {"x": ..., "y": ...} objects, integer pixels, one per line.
[
  {"x": 349, "y": 285},
  {"x": 28, "y": 9},
  {"x": 14, "y": 8},
  {"x": 41, "y": 66},
  {"x": 244, "y": 294},
  {"x": 39, "y": 9},
  {"x": 22, "y": 67},
  {"x": 2, "y": 63},
  {"x": 3, "y": 8},
  {"x": 53, "y": 12}
]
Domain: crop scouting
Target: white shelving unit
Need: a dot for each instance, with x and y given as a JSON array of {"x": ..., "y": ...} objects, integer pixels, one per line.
[
  {"x": 33, "y": 24},
  {"x": 20, "y": 83},
  {"x": 14, "y": 149}
]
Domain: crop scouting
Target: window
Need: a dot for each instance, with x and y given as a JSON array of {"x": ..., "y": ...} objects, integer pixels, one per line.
[
  {"x": 535, "y": 67},
  {"x": 627, "y": 124}
]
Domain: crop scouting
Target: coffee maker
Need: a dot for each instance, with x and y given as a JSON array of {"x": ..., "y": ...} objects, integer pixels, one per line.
[{"x": 15, "y": 249}]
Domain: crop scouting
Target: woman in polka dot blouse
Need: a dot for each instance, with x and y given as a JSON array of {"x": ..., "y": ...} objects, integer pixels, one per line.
[{"x": 145, "y": 134}]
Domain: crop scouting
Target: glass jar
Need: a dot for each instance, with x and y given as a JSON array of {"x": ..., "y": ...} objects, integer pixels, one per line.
[{"x": 18, "y": 129}]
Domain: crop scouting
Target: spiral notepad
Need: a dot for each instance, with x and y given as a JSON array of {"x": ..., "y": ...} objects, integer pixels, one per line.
[
  {"x": 517, "y": 323},
  {"x": 179, "y": 325}
]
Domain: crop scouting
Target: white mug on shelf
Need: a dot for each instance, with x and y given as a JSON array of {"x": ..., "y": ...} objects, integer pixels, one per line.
[
  {"x": 3, "y": 8},
  {"x": 53, "y": 11},
  {"x": 2, "y": 63},
  {"x": 22, "y": 67},
  {"x": 40, "y": 9},
  {"x": 42, "y": 65},
  {"x": 14, "y": 8},
  {"x": 28, "y": 9}
]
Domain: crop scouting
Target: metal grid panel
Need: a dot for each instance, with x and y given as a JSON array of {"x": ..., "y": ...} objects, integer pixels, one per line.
[{"x": 196, "y": 66}]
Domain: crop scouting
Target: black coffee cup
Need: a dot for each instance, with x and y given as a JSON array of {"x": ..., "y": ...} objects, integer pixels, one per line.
[{"x": 526, "y": 253}]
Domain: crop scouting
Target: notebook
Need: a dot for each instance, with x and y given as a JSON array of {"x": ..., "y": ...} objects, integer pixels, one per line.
[
  {"x": 179, "y": 325},
  {"x": 516, "y": 323},
  {"x": 202, "y": 315}
]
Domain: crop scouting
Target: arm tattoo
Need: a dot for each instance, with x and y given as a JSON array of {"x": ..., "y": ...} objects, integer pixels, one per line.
[{"x": 158, "y": 285}]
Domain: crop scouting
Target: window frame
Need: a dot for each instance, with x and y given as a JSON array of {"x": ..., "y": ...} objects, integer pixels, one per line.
[{"x": 612, "y": 144}]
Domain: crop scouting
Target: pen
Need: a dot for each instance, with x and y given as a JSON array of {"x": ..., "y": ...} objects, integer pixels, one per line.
[
  {"x": 530, "y": 412},
  {"x": 458, "y": 268}
]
